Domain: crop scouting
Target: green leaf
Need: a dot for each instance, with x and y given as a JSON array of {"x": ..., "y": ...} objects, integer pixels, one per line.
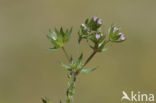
[
  {"x": 62, "y": 32},
  {"x": 70, "y": 32},
  {"x": 44, "y": 100},
  {"x": 65, "y": 39},
  {"x": 59, "y": 36},
  {"x": 80, "y": 33},
  {"x": 118, "y": 41},
  {"x": 67, "y": 35},
  {"x": 90, "y": 45},
  {"x": 54, "y": 42},
  {"x": 102, "y": 43},
  {"x": 79, "y": 62},
  {"x": 110, "y": 32},
  {"x": 104, "y": 49},
  {"x": 71, "y": 59},
  {"x": 102, "y": 39},
  {"x": 86, "y": 21},
  {"x": 65, "y": 66},
  {"x": 80, "y": 58},
  {"x": 86, "y": 71},
  {"x": 54, "y": 48},
  {"x": 70, "y": 75},
  {"x": 57, "y": 32},
  {"x": 52, "y": 34}
]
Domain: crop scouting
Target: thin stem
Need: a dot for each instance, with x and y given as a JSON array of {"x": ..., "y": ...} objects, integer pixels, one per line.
[
  {"x": 89, "y": 58},
  {"x": 66, "y": 54},
  {"x": 71, "y": 89},
  {"x": 92, "y": 55},
  {"x": 79, "y": 40}
]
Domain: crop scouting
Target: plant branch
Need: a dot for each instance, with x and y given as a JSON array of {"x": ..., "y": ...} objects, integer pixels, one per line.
[
  {"x": 89, "y": 58},
  {"x": 66, "y": 54},
  {"x": 71, "y": 89}
]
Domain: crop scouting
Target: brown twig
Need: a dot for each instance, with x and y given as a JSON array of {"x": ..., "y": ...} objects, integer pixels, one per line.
[{"x": 89, "y": 58}]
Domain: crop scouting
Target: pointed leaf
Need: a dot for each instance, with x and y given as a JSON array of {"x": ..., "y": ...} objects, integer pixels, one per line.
[
  {"x": 57, "y": 32},
  {"x": 86, "y": 71},
  {"x": 54, "y": 48},
  {"x": 65, "y": 66},
  {"x": 79, "y": 62},
  {"x": 110, "y": 32},
  {"x": 104, "y": 49},
  {"x": 71, "y": 59},
  {"x": 62, "y": 32},
  {"x": 90, "y": 45},
  {"x": 86, "y": 21},
  {"x": 59, "y": 36},
  {"x": 81, "y": 56},
  {"x": 70, "y": 32},
  {"x": 44, "y": 100},
  {"x": 102, "y": 43},
  {"x": 52, "y": 34},
  {"x": 54, "y": 42}
]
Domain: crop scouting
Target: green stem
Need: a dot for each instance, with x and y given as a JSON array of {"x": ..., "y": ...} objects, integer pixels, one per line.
[
  {"x": 66, "y": 54},
  {"x": 72, "y": 79},
  {"x": 92, "y": 55},
  {"x": 71, "y": 88}
]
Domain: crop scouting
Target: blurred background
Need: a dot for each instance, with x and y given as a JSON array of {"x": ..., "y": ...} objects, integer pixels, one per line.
[{"x": 29, "y": 71}]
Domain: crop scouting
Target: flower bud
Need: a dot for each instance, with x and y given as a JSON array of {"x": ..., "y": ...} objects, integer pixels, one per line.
[
  {"x": 115, "y": 36},
  {"x": 122, "y": 36},
  {"x": 95, "y": 18},
  {"x": 84, "y": 26},
  {"x": 115, "y": 29},
  {"x": 99, "y": 22},
  {"x": 97, "y": 36}
]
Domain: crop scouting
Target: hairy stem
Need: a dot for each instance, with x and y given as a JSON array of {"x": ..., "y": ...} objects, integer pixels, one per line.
[
  {"x": 72, "y": 79},
  {"x": 66, "y": 54},
  {"x": 71, "y": 88}
]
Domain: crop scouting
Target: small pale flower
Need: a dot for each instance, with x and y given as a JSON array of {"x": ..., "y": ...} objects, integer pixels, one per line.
[
  {"x": 122, "y": 36},
  {"x": 98, "y": 36},
  {"x": 99, "y": 21},
  {"x": 84, "y": 26},
  {"x": 95, "y": 18},
  {"x": 115, "y": 29}
]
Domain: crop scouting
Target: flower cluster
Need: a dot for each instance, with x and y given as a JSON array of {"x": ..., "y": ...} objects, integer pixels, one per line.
[
  {"x": 115, "y": 35},
  {"x": 59, "y": 38},
  {"x": 91, "y": 31},
  {"x": 90, "y": 26}
]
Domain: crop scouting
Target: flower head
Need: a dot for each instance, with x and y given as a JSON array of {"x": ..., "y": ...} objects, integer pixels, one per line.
[
  {"x": 97, "y": 36},
  {"x": 99, "y": 21},
  {"x": 115, "y": 29},
  {"x": 95, "y": 18},
  {"x": 122, "y": 36},
  {"x": 59, "y": 37}
]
